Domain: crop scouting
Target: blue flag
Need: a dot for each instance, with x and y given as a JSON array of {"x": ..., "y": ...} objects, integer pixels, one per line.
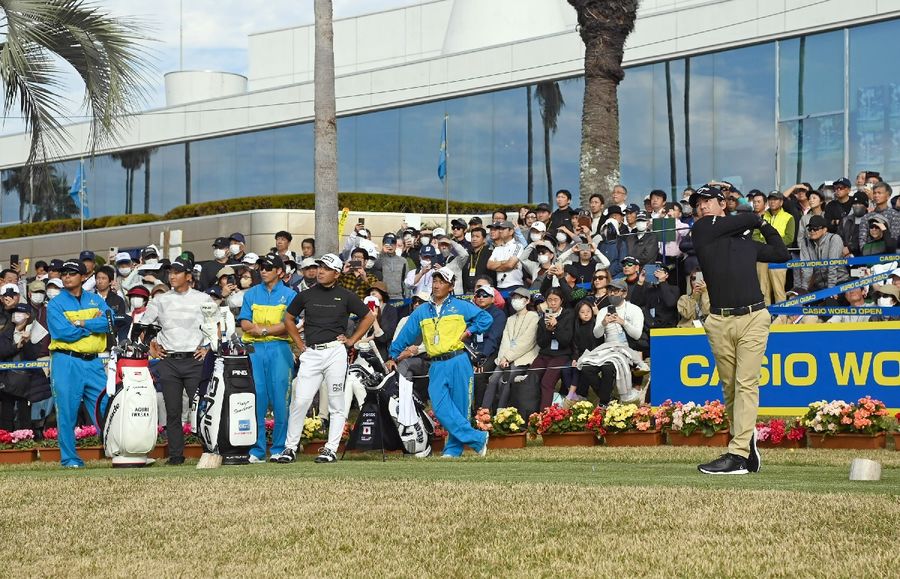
[
  {"x": 442, "y": 160},
  {"x": 75, "y": 190}
]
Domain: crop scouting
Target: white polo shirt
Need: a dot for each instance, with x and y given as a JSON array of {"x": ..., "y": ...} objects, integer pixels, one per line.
[{"x": 513, "y": 277}]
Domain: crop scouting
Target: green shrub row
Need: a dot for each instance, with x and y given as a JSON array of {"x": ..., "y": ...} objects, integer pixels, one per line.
[{"x": 355, "y": 201}]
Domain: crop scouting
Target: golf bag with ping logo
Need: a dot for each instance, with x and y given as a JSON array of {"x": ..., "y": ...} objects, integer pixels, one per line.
[
  {"x": 127, "y": 413},
  {"x": 226, "y": 409}
]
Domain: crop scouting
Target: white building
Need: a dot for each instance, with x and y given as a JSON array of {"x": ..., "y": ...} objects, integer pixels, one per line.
[{"x": 761, "y": 92}]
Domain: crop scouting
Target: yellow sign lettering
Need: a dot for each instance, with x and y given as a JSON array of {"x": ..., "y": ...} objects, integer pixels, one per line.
[
  {"x": 882, "y": 358},
  {"x": 694, "y": 360},
  {"x": 790, "y": 373},
  {"x": 851, "y": 365}
]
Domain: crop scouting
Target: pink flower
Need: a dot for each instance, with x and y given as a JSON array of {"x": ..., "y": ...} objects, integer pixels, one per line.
[{"x": 51, "y": 433}]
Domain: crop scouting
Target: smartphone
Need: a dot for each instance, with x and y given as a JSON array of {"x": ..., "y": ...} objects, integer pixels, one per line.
[
  {"x": 698, "y": 277},
  {"x": 650, "y": 273},
  {"x": 362, "y": 220},
  {"x": 356, "y": 263},
  {"x": 611, "y": 311},
  {"x": 231, "y": 280},
  {"x": 13, "y": 259}
]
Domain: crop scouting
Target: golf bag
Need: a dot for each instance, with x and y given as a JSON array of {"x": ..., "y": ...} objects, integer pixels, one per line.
[
  {"x": 226, "y": 411},
  {"x": 127, "y": 414},
  {"x": 378, "y": 425}
]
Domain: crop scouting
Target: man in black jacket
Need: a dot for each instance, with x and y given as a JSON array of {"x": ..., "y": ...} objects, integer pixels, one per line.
[
  {"x": 657, "y": 297},
  {"x": 477, "y": 262},
  {"x": 738, "y": 323},
  {"x": 643, "y": 243}
]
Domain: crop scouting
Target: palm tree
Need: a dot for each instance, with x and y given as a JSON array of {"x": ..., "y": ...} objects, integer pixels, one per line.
[
  {"x": 550, "y": 100},
  {"x": 325, "y": 130},
  {"x": 603, "y": 25},
  {"x": 52, "y": 199},
  {"x": 37, "y": 37},
  {"x": 18, "y": 180},
  {"x": 131, "y": 161}
]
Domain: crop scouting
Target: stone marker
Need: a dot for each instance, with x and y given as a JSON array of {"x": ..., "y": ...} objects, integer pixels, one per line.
[{"x": 865, "y": 469}]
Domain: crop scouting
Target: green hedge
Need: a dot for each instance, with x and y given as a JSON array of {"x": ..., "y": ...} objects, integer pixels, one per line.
[{"x": 355, "y": 201}]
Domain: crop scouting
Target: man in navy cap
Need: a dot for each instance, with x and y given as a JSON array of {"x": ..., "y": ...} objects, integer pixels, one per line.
[
  {"x": 419, "y": 280},
  {"x": 237, "y": 247},
  {"x": 391, "y": 268},
  {"x": 210, "y": 269},
  {"x": 87, "y": 258}
]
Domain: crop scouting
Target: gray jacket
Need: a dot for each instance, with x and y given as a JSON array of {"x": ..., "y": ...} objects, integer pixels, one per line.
[
  {"x": 830, "y": 246},
  {"x": 391, "y": 269}
]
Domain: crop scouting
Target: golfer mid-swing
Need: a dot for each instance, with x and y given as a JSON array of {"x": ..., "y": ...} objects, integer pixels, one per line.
[{"x": 443, "y": 323}]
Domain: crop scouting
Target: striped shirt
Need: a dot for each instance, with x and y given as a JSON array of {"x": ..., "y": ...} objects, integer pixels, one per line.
[{"x": 179, "y": 316}]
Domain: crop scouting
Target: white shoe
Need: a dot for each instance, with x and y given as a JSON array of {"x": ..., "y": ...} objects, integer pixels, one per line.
[
  {"x": 274, "y": 457},
  {"x": 254, "y": 460},
  {"x": 483, "y": 451},
  {"x": 448, "y": 456}
]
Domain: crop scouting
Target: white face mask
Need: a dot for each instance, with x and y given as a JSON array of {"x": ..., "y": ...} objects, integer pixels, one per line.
[
  {"x": 43, "y": 276},
  {"x": 616, "y": 300},
  {"x": 219, "y": 253},
  {"x": 561, "y": 237},
  {"x": 519, "y": 304},
  {"x": 151, "y": 261},
  {"x": 885, "y": 302},
  {"x": 370, "y": 263},
  {"x": 19, "y": 317},
  {"x": 234, "y": 248},
  {"x": 544, "y": 258},
  {"x": 52, "y": 293},
  {"x": 535, "y": 237},
  {"x": 124, "y": 271},
  {"x": 136, "y": 302},
  {"x": 37, "y": 298},
  {"x": 641, "y": 226},
  {"x": 426, "y": 263},
  {"x": 424, "y": 240},
  {"x": 244, "y": 282}
]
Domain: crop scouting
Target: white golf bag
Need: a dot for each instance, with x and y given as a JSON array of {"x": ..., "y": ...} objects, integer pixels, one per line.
[{"x": 129, "y": 422}]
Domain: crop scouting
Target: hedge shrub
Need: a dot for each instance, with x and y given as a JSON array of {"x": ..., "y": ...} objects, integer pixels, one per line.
[{"x": 355, "y": 201}]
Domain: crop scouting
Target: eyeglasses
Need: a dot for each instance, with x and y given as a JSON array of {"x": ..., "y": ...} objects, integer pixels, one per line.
[{"x": 596, "y": 277}]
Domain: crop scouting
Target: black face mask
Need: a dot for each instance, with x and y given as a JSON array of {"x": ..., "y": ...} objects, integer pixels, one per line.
[{"x": 310, "y": 280}]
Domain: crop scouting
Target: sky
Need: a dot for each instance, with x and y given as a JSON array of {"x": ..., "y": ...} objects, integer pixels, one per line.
[{"x": 214, "y": 35}]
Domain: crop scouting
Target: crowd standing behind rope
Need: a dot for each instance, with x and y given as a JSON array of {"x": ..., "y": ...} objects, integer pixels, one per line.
[{"x": 571, "y": 296}]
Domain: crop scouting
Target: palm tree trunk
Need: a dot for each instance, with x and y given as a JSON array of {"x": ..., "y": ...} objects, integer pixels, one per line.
[
  {"x": 325, "y": 130},
  {"x": 548, "y": 167},
  {"x": 127, "y": 192},
  {"x": 187, "y": 172},
  {"x": 131, "y": 190},
  {"x": 530, "y": 146},
  {"x": 147, "y": 185}
]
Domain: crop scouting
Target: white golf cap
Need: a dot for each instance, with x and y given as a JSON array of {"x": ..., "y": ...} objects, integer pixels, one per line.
[
  {"x": 438, "y": 232},
  {"x": 55, "y": 282},
  {"x": 250, "y": 259},
  {"x": 423, "y": 296},
  {"x": 446, "y": 273},
  {"x": 9, "y": 289},
  {"x": 122, "y": 257},
  {"x": 539, "y": 226},
  {"x": 331, "y": 261},
  {"x": 308, "y": 262}
]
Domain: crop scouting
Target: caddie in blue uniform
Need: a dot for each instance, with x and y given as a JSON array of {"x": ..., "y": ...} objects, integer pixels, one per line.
[
  {"x": 443, "y": 323},
  {"x": 78, "y": 327},
  {"x": 262, "y": 319}
]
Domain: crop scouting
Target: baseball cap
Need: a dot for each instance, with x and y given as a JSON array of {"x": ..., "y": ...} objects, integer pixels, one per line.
[
  {"x": 308, "y": 262},
  {"x": 271, "y": 260},
  {"x": 428, "y": 251},
  {"x": 775, "y": 194},
  {"x": 446, "y": 274},
  {"x": 571, "y": 269},
  {"x": 842, "y": 182},
  {"x": 543, "y": 207},
  {"x": 227, "y": 270},
  {"x": 250, "y": 259},
  {"x": 619, "y": 284},
  {"x": 613, "y": 210},
  {"x": 123, "y": 257},
  {"x": 438, "y": 259},
  {"x": 285, "y": 234},
  {"x": 237, "y": 236},
  {"x": 438, "y": 232},
  {"x": 521, "y": 292},
  {"x": 215, "y": 291},
  {"x": 55, "y": 282},
  {"x": 629, "y": 260},
  {"x": 643, "y": 216},
  {"x": 389, "y": 239},
  {"x": 539, "y": 226},
  {"x": 364, "y": 233},
  {"x": 73, "y": 266},
  {"x": 382, "y": 289},
  {"x": 24, "y": 308},
  {"x": 458, "y": 224},
  {"x": 475, "y": 220},
  {"x": 816, "y": 221},
  {"x": 331, "y": 261},
  {"x": 422, "y": 297},
  {"x": 9, "y": 289},
  {"x": 37, "y": 286},
  {"x": 221, "y": 243},
  {"x": 150, "y": 250},
  {"x": 484, "y": 291},
  {"x": 141, "y": 291},
  {"x": 54, "y": 265},
  {"x": 888, "y": 290},
  {"x": 632, "y": 208},
  {"x": 86, "y": 255},
  {"x": 706, "y": 192},
  {"x": 182, "y": 264},
  {"x": 544, "y": 245},
  {"x": 859, "y": 198}
]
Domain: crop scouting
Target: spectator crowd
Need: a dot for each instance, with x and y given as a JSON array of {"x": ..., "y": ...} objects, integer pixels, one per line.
[{"x": 573, "y": 293}]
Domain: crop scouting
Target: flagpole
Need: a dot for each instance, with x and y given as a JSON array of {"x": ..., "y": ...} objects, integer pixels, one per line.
[
  {"x": 81, "y": 196},
  {"x": 446, "y": 172}
]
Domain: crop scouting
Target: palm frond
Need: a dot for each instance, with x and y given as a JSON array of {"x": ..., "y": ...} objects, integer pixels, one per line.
[{"x": 550, "y": 101}]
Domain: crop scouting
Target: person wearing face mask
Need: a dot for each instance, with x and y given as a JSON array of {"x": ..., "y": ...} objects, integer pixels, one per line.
[
  {"x": 485, "y": 343},
  {"x": 309, "y": 268},
  {"x": 886, "y": 296},
  {"x": 356, "y": 276},
  {"x": 818, "y": 244},
  {"x": 608, "y": 238},
  {"x": 126, "y": 275},
  {"x": 236, "y": 242},
  {"x": 478, "y": 259},
  {"x": 291, "y": 278},
  {"x": 15, "y": 412},
  {"x": 554, "y": 339},
  {"x": 391, "y": 268},
  {"x": 54, "y": 287},
  {"x": 537, "y": 259},
  {"x": 386, "y": 319},
  {"x": 37, "y": 347},
  {"x": 643, "y": 244},
  {"x": 209, "y": 273},
  {"x": 246, "y": 278},
  {"x": 37, "y": 298},
  {"x": 850, "y": 226},
  {"x": 517, "y": 350},
  {"x": 138, "y": 298},
  {"x": 419, "y": 280},
  {"x": 408, "y": 249},
  {"x": 455, "y": 256},
  {"x": 104, "y": 277}
]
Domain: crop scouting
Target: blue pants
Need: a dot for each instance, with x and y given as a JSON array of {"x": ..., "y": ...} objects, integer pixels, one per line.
[
  {"x": 450, "y": 388},
  {"x": 74, "y": 380},
  {"x": 272, "y": 364}
]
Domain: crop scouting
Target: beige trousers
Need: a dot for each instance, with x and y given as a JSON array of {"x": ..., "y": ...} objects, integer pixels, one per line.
[
  {"x": 738, "y": 345},
  {"x": 771, "y": 283}
]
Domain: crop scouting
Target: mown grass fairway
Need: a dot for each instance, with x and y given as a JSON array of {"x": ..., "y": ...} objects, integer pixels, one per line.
[{"x": 538, "y": 512}]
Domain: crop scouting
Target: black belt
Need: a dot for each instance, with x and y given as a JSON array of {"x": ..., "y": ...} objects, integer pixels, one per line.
[
  {"x": 180, "y": 355},
  {"x": 447, "y": 356},
  {"x": 74, "y": 354},
  {"x": 741, "y": 311}
]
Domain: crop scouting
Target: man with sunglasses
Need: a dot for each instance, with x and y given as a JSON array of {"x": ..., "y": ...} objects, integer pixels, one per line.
[
  {"x": 817, "y": 245},
  {"x": 78, "y": 327},
  {"x": 262, "y": 320}
]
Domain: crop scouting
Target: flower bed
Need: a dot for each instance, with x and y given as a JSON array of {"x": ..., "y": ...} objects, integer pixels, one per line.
[
  {"x": 780, "y": 433},
  {"x": 839, "y": 424},
  {"x": 689, "y": 422},
  {"x": 630, "y": 425},
  {"x": 576, "y": 426},
  {"x": 506, "y": 428}
]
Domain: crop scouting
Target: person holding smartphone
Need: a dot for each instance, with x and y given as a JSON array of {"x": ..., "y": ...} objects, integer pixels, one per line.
[
  {"x": 656, "y": 296},
  {"x": 354, "y": 276}
]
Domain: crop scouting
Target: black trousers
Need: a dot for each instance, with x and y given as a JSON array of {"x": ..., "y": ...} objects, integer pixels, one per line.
[
  {"x": 599, "y": 378},
  {"x": 177, "y": 375},
  {"x": 481, "y": 382},
  {"x": 15, "y": 413}
]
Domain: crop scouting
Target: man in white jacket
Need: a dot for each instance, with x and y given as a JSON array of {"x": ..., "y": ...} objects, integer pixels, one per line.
[{"x": 455, "y": 256}]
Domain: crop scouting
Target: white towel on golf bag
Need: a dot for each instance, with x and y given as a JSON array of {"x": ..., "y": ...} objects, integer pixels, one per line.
[
  {"x": 406, "y": 413},
  {"x": 622, "y": 358}
]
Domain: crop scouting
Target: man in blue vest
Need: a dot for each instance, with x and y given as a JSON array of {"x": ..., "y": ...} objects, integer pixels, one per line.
[{"x": 78, "y": 327}]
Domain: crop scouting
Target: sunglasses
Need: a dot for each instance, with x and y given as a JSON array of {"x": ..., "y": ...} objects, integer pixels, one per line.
[
  {"x": 814, "y": 228},
  {"x": 596, "y": 277},
  {"x": 66, "y": 273},
  {"x": 267, "y": 267}
]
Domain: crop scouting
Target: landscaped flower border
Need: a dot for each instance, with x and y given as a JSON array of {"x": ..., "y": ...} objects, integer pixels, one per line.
[
  {"x": 687, "y": 418},
  {"x": 781, "y": 431},
  {"x": 558, "y": 420},
  {"x": 865, "y": 416}
]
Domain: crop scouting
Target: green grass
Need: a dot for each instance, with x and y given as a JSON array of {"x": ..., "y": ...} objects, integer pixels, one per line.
[{"x": 536, "y": 512}]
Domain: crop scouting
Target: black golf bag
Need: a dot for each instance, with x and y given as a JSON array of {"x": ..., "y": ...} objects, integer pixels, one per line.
[
  {"x": 226, "y": 407},
  {"x": 378, "y": 425}
]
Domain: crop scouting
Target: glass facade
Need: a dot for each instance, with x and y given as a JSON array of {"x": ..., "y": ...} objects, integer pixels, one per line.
[{"x": 769, "y": 115}]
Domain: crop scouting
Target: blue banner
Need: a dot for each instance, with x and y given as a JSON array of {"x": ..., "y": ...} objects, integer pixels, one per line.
[
  {"x": 803, "y": 363},
  {"x": 861, "y": 260}
]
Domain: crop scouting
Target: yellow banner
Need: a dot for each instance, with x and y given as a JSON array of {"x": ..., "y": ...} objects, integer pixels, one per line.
[{"x": 343, "y": 220}]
